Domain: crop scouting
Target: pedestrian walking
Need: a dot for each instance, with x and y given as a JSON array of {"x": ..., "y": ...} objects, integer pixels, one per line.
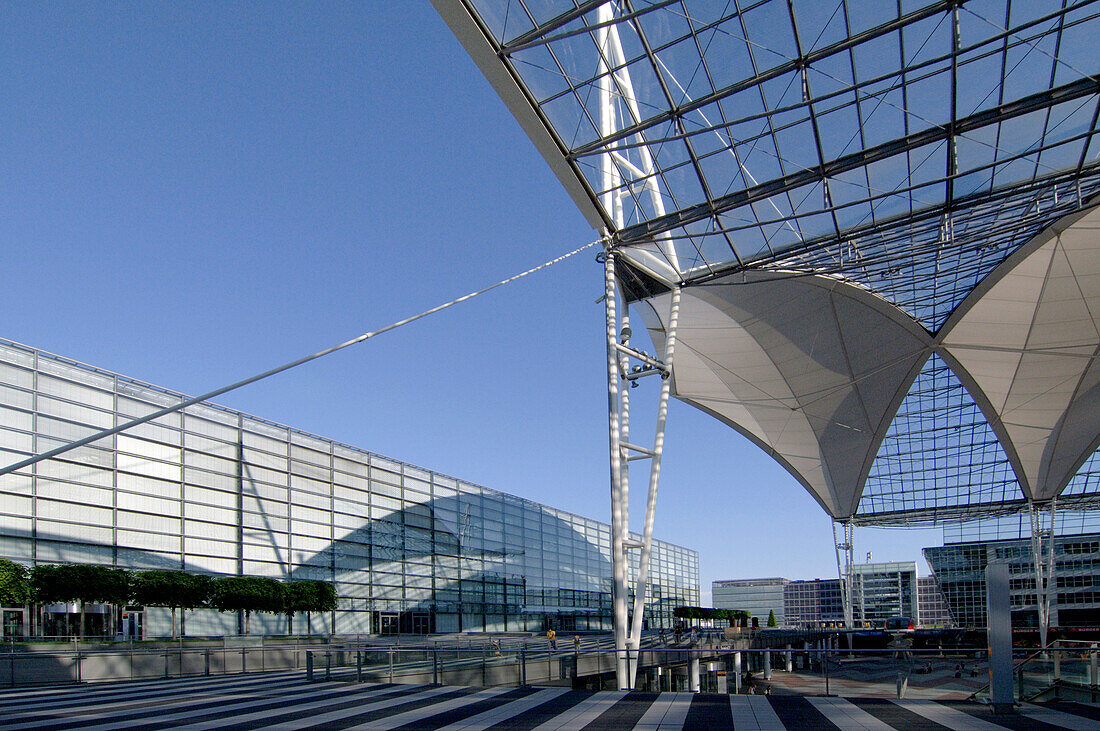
[{"x": 553, "y": 637}]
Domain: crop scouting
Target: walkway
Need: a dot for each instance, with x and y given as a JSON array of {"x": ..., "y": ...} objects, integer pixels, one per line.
[{"x": 287, "y": 701}]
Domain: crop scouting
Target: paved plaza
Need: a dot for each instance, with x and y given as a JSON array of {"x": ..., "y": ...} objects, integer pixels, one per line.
[{"x": 289, "y": 701}]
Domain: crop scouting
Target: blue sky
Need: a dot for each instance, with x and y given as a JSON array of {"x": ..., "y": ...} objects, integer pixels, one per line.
[{"x": 193, "y": 193}]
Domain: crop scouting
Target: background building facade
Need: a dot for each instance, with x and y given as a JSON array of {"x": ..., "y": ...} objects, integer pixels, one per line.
[
  {"x": 758, "y": 597},
  {"x": 880, "y": 591},
  {"x": 814, "y": 603},
  {"x": 932, "y": 609},
  {"x": 884, "y": 590},
  {"x": 216, "y": 491},
  {"x": 960, "y": 571}
]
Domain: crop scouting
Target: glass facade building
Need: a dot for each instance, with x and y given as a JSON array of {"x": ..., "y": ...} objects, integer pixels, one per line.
[
  {"x": 216, "y": 491},
  {"x": 1075, "y": 602},
  {"x": 884, "y": 590},
  {"x": 814, "y": 603},
  {"x": 932, "y": 610}
]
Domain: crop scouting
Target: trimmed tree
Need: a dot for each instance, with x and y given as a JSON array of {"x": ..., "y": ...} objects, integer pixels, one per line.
[
  {"x": 101, "y": 585},
  {"x": 247, "y": 594},
  {"x": 15, "y": 587},
  {"x": 771, "y": 618},
  {"x": 308, "y": 596},
  {"x": 80, "y": 583},
  {"x": 15, "y": 584},
  {"x": 173, "y": 589},
  {"x": 53, "y": 585}
]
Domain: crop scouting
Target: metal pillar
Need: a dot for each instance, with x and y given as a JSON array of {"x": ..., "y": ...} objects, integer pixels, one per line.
[
  {"x": 999, "y": 620},
  {"x": 736, "y": 673},
  {"x": 641, "y": 584},
  {"x": 628, "y": 169},
  {"x": 618, "y": 526},
  {"x": 1044, "y": 565},
  {"x": 694, "y": 674},
  {"x": 844, "y": 571}
]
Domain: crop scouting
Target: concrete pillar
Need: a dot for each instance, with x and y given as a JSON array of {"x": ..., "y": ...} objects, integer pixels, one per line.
[
  {"x": 737, "y": 672},
  {"x": 694, "y": 677},
  {"x": 767, "y": 665},
  {"x": 787, "y": 659}
]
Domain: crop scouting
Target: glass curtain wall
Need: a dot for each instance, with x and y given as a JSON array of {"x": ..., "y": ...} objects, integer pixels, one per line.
[{"x": 216, "y": 491}]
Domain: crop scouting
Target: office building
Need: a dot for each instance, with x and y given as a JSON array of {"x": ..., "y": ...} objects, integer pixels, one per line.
[
  {"x": 814, "y": 603},
  {"x": 216, "y": 491},
  {"x": 884, "y": 590},
  {"x": 880, "y": 591},
  {"x": 758, "y": 597}
]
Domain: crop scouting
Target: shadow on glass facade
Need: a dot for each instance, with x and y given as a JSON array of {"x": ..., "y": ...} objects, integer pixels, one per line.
[{"x": 215, "y": 491}]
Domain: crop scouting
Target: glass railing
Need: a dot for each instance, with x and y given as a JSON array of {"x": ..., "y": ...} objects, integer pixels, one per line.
[{"x": 1066, "y": 669}]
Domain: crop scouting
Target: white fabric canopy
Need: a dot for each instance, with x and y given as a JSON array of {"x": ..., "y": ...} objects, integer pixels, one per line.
[
  {"x": 810, "y": 368},
  {"x": 813, "y": 368},
  {"x": 1025, "y": 343}
]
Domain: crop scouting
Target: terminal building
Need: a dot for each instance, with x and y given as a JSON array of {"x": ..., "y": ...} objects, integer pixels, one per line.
[{"x": 216, "y": 491}]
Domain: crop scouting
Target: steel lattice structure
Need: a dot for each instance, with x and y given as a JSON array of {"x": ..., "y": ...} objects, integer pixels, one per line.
[
  {"x": 908, "y": 148},
  {"x": 877, "y": 225}
]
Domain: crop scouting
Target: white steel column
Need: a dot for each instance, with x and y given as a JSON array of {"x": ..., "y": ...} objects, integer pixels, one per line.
[
  {"x": 844, "y": 573},
  {"x": 1044, "y": 565},
  {"x": 618, "y": 526},
  {"x": 625, "y": 164},
  {"x": 641, "y": 585}
]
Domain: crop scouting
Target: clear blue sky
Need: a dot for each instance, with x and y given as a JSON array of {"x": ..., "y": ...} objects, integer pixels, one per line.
[{"x": 191, "y": 193}]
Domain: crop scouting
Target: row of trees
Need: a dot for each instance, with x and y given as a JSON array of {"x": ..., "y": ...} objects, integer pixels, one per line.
[
  {"x": 734, "y": 616},
  {"x": 87, "y": 583}
]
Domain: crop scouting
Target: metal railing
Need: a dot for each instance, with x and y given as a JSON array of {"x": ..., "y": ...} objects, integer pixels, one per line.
[{"x": 708, "y": 663}]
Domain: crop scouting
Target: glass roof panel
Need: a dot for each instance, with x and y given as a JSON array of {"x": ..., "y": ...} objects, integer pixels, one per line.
[
  {"x": 940, "y": 459},
  {"x": 908, "y": 147}
]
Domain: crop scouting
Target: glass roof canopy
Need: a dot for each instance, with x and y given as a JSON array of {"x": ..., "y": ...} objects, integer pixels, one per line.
[{"x": 909, "y": 148}]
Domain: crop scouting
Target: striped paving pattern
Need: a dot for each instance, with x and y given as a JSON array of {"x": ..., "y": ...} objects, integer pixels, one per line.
[{"x": 288, "y": 701}]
